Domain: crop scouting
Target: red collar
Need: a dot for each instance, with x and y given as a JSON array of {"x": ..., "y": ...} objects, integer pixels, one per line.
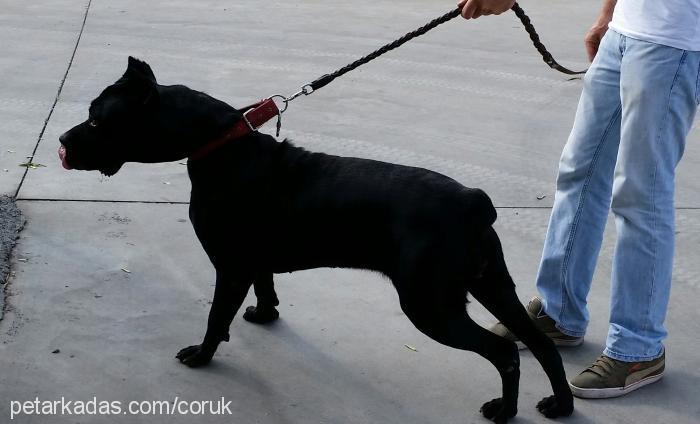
[{"x": 254, "y": 116}]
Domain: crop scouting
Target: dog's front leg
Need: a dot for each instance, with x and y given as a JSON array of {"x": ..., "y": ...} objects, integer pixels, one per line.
[{"x": 228, "y": 298}]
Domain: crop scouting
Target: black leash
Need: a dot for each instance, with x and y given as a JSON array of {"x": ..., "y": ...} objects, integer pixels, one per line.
[
  {"x": 519, "y": 12},
  {"x": 327, "y": 78},
  {"x": 547, "y": 56}
]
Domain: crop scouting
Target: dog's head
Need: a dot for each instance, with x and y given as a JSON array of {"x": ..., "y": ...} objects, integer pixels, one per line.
[{"x": 119, "y": 124}]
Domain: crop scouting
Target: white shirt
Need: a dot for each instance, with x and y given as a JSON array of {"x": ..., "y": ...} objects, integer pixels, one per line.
[{"x": 674, "y": 23}]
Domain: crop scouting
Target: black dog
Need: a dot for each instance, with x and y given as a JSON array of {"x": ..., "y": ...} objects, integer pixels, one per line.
[{"x": 261, "y": 207}]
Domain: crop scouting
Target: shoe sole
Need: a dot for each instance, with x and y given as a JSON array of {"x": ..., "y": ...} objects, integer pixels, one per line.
[
  {"x": 557, "y": 342},
  {"x": 614, "y": 391}
]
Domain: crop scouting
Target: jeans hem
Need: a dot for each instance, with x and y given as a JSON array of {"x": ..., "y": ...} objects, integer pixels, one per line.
[
  {"x": 570, "y": 332},
  {"x": 632, "y": 358}
]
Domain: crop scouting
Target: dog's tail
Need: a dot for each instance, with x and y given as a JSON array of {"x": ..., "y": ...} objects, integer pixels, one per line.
[{"x": 482, "y": 214}]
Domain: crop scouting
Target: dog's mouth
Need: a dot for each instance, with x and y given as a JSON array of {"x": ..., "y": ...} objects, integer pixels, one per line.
[
  {"x": 63, "y": 155},
  {"x": 106, "y": 169}
]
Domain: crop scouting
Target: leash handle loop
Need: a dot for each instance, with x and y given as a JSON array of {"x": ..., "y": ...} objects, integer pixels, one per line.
[{"x": 546, "y": 55}]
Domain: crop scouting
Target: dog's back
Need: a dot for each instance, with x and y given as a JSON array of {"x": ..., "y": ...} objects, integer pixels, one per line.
[{"x": 298, "y": 210}]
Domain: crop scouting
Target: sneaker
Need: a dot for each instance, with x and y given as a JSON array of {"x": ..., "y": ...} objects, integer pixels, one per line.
[
  {"x": 544, "y": 323},
  {"x": 608, "y": 377}
]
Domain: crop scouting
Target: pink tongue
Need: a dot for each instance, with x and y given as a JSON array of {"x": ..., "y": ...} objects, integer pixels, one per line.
[{"x": 62, "y": 156}]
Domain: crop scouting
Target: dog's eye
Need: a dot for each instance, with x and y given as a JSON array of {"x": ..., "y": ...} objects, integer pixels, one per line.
[{"x": 93, "y": 123}]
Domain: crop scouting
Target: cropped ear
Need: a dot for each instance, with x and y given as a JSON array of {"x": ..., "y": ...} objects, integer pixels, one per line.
[
  {"x": 139, "y": 69},
  {"x": 140, "y": 81}
]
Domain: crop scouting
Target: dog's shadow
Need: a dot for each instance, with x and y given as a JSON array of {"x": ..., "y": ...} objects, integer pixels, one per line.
[
  {"x": 307, "y": 359},
  {"x": 329, "y": 371},
  {"x": 252, "y": 381}
]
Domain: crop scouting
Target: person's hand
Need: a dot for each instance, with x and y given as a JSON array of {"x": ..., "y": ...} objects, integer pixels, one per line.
[
  {"x": 593, "y": 37},
  {"x": 472, "y": 9}
]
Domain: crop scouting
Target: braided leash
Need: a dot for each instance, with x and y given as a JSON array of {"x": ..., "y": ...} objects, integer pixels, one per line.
[
  {"x": 547, "y": 56},
  {"x": 324, "y": 80},
  {"x": 519, "y": 12},
  {"x": 258, "y": 113}
]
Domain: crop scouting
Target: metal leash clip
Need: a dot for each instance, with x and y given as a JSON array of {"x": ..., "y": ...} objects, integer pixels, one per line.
[{"x": 305, "y": 91}]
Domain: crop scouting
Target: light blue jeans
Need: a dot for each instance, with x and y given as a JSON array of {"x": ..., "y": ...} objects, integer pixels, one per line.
[{"x": 637, "y": 106}]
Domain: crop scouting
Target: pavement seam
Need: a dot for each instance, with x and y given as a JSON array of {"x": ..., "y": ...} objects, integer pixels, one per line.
[
  {"x": 166, "y": 202},
  {"x": 145, "y": 202},
  {"x": 58, "y": 95}
]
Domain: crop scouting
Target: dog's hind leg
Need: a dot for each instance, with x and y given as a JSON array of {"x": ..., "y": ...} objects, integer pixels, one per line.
[
  {"x": 452, "y": 327},
  {"x": 264, "y": 312},
  {"x": 433, "y": 295},
  {"x": 229, "y": 294},
  {"x": 506, "y": 307},
  {"x": 496, "y": 291}
]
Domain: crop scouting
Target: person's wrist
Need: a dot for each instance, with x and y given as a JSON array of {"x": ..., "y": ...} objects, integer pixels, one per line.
[{"x": 601, "y": 24}]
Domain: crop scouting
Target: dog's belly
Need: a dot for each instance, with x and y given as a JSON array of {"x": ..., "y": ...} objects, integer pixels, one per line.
[{"x": 332, "y": 250}]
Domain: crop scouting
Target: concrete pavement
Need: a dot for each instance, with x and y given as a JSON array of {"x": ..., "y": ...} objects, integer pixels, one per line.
[{"x": 471, "y": 100}]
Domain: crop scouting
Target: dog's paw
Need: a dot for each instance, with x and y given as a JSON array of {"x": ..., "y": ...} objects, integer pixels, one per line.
[
  {"x": 551, "y": 407},
  {"x": 194, "y": 356},
  {"x": 495, "y": 411},
  {"x": 261, "y": 315}
]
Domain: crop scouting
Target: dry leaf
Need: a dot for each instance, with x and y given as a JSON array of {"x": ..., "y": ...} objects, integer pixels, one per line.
[{"x": 32, "y": 165}]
